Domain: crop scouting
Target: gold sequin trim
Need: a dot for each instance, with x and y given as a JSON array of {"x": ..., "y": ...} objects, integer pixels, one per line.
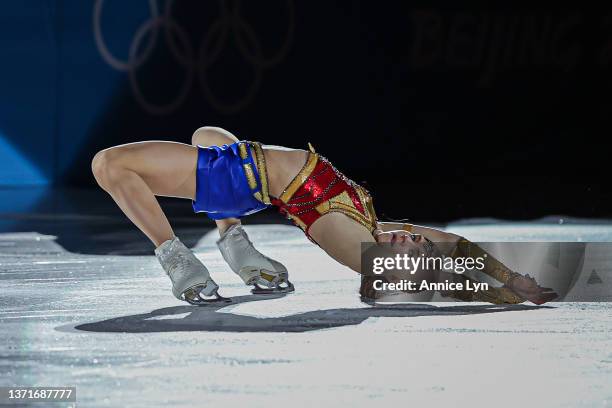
[
  {"x": 493, "y": 267},
  {"x": 368, "y": 205},
  {"x": 250, "y": 175},
  {"x": 260, "y": 163},
  {"x": 242, "y": 149},
  {"x": 343, "y": 203},
  {"x": 301, "y": 177}
]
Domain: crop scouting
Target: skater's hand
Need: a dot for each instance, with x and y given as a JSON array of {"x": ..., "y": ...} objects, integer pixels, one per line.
[{"x": 527, "y": 287}]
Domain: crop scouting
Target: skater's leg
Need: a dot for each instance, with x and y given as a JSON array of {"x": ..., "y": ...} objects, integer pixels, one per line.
[
  {"x": 133, "y": 174},
  {"x": 212, "y": 136}
]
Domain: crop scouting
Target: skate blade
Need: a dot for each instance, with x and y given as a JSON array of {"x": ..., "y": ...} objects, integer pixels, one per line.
[
  {"x": 286, "y": 288},
  {"x": 194, "y": 297}
]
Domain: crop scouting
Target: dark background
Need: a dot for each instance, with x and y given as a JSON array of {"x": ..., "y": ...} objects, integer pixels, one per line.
[{"x": 445, "y": 110}]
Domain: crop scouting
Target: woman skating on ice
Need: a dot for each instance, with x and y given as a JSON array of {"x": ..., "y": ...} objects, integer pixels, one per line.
[{"x": 229, "y": 179}]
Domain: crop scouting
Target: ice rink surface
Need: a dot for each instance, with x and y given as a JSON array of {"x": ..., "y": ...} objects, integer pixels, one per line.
[{"x": 109, "y": 325}]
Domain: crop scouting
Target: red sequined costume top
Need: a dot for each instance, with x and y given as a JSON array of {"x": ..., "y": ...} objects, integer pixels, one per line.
[{"x": 319, "y": 188}]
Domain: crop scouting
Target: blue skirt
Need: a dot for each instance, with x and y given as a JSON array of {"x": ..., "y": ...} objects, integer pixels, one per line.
[{"x": 228, "y": 183}]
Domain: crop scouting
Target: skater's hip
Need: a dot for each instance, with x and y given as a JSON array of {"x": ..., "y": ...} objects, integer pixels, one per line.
[{"x": 231, "y": 180}]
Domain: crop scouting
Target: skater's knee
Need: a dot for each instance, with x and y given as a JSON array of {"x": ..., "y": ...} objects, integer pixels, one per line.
[
  {"x": 106, "y": 166},
  {"x": 212, "y": 136}
]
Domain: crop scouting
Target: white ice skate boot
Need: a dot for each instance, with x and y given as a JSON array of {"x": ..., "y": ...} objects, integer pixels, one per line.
[
  {"x": 191, "y": 281},
  {"x": 267, "y": 275}
]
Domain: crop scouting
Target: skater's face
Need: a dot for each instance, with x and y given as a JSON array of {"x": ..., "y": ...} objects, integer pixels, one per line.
[
  {"x": 405, "y": 241},
  {"x": 415, "y": 243}
]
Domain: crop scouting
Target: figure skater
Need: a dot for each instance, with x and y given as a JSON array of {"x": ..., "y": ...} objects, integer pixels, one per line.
[{"x": 229, "y": 179}]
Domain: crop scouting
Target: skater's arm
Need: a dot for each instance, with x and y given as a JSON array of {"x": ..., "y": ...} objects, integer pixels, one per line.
[{"x": 459, "y": 246}]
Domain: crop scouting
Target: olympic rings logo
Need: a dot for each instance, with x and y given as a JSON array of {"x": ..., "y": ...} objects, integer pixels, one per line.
[{"x": 195, "y": 62}]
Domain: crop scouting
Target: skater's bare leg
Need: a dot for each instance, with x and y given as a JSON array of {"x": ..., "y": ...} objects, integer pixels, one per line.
[{"x": 133, "y": 174}]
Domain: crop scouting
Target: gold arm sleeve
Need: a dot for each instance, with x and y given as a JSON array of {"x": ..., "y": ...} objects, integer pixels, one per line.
[{"x": 492, "y": 266}]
